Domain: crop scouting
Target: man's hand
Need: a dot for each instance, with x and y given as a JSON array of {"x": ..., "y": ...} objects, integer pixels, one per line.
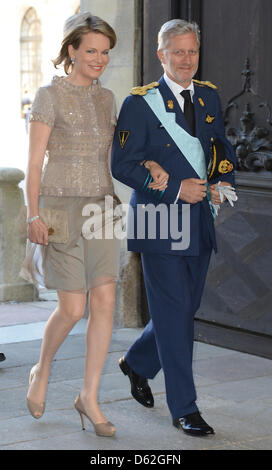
[
  {"x": 215, "y": 197},
  {"x": 193, "y": 190}
]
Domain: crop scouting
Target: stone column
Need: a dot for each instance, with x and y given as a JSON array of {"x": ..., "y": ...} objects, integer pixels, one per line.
[
  {"x": 120, "y": 14},
  {"x": 128, "y": 292},
  {"x": 12, "y": 246},
  {"x": 121, "y": 75}
]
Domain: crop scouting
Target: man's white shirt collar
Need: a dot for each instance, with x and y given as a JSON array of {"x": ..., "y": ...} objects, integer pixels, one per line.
[{"x": 177, "y": 89}]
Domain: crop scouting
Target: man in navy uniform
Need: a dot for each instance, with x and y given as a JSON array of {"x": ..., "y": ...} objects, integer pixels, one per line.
[{"x": 169, "y": 136}]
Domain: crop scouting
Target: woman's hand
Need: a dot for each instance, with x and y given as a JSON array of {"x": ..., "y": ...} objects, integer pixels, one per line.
[
  {"x": 159, "y": 175},
  {"x": 37, "y": 232},
  {"x": 215, "y": 197}
]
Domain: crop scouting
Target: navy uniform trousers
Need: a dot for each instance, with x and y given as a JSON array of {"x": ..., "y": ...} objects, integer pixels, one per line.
[{"x": 174, "y": 286}]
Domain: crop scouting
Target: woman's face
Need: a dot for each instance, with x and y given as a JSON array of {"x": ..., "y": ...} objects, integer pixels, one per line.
[{"x": 92, "y": 56}]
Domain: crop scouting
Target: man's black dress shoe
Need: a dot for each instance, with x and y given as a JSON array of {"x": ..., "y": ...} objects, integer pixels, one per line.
[
  {"x": 140, "y": 389},
  {"x": 193, "y": 424},
  {"x": 2, "y": 357}
]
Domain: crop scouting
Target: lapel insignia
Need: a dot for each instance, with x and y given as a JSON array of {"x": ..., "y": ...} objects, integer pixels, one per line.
[
  {"x": 201, "y": 101},
  {"x": 170, "y": 104},
  {"x": 123, "y": 137},
  {"x": 209, "y": 119}
]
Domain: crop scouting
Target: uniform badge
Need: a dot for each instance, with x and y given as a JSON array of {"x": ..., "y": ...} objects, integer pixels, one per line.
[
  {"x": 170, "y": 104},
  {"x": 209, "y": 119},
  {"x": 225, "y": 166},
  {"x": 123, "y": 137},
  {"x": 218, "y": 164},
  {"x": 201, "y": 101}
]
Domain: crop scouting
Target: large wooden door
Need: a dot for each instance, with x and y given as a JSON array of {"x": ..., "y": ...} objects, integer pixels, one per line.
[{"x": 236, "y": 310}]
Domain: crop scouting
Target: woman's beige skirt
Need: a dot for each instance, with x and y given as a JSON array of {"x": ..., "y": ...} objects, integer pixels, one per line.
[{"x": 90, "y": 257}]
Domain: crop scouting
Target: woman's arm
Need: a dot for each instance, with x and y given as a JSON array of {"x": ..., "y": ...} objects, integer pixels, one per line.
[
  {"x": 159, "y": 175},
  {"x": 38, "y": 138},
  {"x": 109, "y": 157}
]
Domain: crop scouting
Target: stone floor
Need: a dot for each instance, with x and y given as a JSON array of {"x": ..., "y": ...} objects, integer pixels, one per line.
[{"x": 234, "y": 394}]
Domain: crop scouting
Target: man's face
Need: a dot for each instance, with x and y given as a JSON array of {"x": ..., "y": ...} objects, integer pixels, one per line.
[{"x": 180, "y": 58}]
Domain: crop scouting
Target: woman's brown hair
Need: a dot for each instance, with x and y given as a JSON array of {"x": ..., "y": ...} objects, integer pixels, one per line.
[{"x": 75, "y": 27}]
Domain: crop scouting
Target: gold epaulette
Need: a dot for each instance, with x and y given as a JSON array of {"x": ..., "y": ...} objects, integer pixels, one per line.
[
  {"x": 142, "y": 90},
  {"x": 211, "y": 85}
]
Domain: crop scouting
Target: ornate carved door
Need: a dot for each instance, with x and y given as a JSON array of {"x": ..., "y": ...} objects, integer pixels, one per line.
[{"x": 236, "y": 310}]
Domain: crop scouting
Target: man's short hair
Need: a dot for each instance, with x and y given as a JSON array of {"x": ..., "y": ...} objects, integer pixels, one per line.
[{"x": 173, "y": 28}]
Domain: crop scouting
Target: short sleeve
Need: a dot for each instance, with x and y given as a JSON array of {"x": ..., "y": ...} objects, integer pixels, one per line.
[{"x": 42, "y": 109}]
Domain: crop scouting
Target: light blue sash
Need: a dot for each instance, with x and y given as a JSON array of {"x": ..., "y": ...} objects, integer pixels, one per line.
[{"x": 190, "y": 146}]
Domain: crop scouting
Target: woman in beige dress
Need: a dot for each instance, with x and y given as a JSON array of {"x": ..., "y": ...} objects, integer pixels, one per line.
[{"x": 72, "y": 122}]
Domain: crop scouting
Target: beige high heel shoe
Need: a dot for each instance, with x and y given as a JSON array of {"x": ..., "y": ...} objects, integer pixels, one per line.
[
  {"x": 36, "y": 409},
  {"x": 101, "y": 429}
]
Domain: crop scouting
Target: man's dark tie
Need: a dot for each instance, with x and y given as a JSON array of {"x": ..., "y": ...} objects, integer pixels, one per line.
[{"x": 189, "y": 110}]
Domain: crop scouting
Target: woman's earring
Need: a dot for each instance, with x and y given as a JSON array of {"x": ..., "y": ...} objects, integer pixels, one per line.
[{"x": 72, "y": 60}]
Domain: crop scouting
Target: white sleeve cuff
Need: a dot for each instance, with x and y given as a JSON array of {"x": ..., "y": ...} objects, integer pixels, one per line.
[{"x": 176, "y": 200}]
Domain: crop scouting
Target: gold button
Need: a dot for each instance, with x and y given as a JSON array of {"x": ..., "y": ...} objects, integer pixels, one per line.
[
  {"x": 51, "y": 231},
  {"x": 168, "y": 145}
]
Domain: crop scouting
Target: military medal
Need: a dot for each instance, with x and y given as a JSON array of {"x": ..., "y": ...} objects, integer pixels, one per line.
[{"x": 201, "y": 101}]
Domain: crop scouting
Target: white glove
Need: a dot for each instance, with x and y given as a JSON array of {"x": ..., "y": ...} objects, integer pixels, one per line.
[{"x": 228, "y": 192}]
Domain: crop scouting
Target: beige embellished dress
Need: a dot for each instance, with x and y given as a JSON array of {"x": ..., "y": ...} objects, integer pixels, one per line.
[{"x": 75, "y": 174}]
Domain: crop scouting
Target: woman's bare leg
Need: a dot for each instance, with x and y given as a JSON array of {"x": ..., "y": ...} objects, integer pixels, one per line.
[
  {"x": 70, "y": 309},
  {"x": 99, "y": 332}
]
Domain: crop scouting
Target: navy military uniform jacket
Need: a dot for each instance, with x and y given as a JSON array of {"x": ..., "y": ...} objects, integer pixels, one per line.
[{"x": 140, "y": 136}]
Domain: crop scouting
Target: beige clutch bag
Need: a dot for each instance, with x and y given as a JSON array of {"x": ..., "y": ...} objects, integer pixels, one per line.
[{"x": 55, "y": 220}]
